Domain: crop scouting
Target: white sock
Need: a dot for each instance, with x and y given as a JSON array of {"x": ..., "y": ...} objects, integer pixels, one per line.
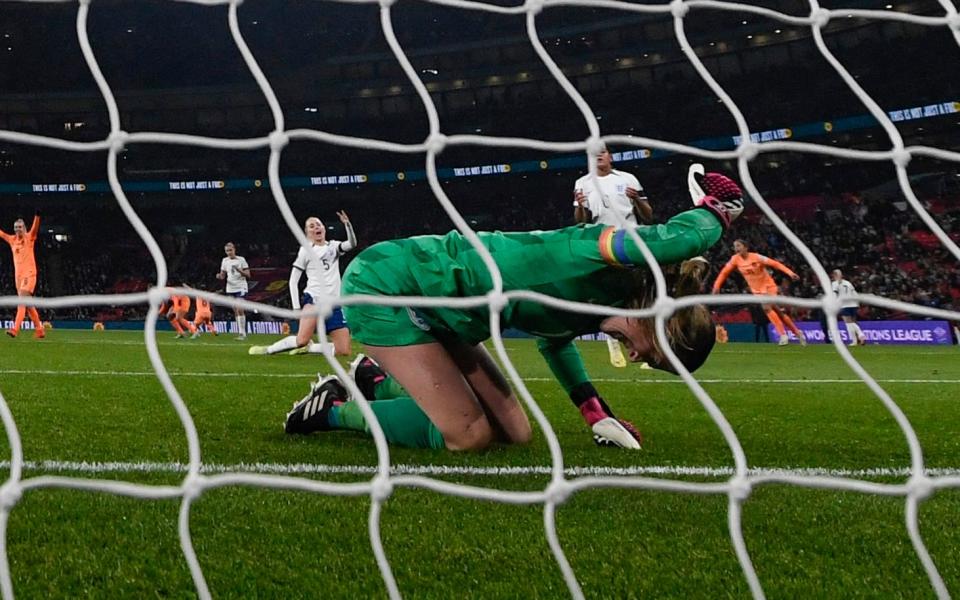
[
  {"x": 287, "y": 343},
  {"x": 317, "y": 348},
  {"x": 856, "y": 328},
  {"x": 242, "y": 324},
  {"x": 850, "y": 333}
]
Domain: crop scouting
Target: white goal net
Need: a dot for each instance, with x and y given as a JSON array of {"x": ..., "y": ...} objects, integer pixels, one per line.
[{"x": 737, "y": 488}]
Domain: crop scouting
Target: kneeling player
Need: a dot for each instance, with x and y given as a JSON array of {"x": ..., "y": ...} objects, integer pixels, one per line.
[
  {"x": 322, "y": 266},
  {"x": 439, "y": 388}
]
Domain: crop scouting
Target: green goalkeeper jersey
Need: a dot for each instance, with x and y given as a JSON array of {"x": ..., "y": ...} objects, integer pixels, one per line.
[{"x": 584, "y": 263}]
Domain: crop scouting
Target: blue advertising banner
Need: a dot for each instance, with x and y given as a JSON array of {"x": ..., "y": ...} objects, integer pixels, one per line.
[{"x": 880, "y": 332}]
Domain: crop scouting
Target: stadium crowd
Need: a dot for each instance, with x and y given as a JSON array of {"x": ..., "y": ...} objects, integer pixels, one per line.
[{"x": 882, "y": 250}]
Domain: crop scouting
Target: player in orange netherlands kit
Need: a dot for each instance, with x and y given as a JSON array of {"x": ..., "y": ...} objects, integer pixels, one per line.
[
  {"x": 753, "y": 267},
  {"x": 176, "y": 313},
  {"x": 24, "y": 271},
  {"x": 203, "y": 316}
]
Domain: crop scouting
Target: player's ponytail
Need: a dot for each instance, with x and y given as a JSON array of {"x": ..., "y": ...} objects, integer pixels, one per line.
[
  {"x": 691, "y": 330},
  {"x": 690, "y": 277}
]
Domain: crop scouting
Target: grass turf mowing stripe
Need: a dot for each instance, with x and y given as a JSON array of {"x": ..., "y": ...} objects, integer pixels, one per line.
[{"x": 435, "y": 470}]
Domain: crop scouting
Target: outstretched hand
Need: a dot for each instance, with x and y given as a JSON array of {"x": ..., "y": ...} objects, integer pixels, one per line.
[
  {"x": 716, "y": 192},
  {"x": 343, "y": 217}
]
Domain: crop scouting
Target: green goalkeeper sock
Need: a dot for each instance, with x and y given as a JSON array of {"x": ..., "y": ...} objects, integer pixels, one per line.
[
  {"x": 402, "y": 421},
  {"x": 388, "y": 389}
]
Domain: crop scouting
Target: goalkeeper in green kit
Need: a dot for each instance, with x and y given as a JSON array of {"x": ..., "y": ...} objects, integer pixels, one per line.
[{"x": 429, "y": 379}]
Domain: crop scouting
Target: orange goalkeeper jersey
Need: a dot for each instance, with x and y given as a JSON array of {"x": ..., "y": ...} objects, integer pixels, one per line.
[
  {"x": 754, "y": 271},
  {"x": 24, "y": 261}
]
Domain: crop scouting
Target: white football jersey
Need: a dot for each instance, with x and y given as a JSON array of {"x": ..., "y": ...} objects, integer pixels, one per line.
[
  {"x": 844, "y": 289},
  {"x": 610, "y": 198},
  {"x": 322, "y": 266},
  {"x": 236, "y": 282}
]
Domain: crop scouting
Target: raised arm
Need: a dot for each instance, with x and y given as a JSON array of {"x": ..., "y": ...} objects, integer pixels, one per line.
[
  {"x": 776, "y": 264},
  {"x": 718, "y": 201},
  {"x": 351, "y": 242},
  {"x": 684, "y": 236},
  {"x": 34, "y": 227},
  {"x": 722, "y": 275}
]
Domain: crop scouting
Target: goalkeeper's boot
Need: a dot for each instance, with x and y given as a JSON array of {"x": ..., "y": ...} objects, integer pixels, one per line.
[
  {"x": 257, "y": 350},
  {"x": 300, "y": 350},
  {"x": 312, "y": 412},
  {"x": 715, "y": 192},
  {"x": 802, "y": 338},
  {"x": 367, "y": 374},
  {"x": 784, "y": 340},
  {"x": 616, "y": 433},
  {"x": 40, "y": 333},
  {"x": 195, "y": 335}
]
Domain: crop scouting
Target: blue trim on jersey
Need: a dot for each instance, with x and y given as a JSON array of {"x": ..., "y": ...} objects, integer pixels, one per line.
[
  {"x": 335, "y": 321},
  {"x": 239, "y": 294},
  {"x": 620, "y": 247},
  {"x": 848, "y": 312}
]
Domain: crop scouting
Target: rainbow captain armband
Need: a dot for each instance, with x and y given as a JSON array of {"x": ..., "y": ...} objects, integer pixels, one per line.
[{"x": 613, "y": 247}]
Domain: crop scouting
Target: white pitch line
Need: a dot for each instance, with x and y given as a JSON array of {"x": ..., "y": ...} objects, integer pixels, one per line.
[
  {"x": 442, "y": 470},
  {"x": 160, "y": 340},
  {"x": 150, "y": 373},
  {"x": 74, "y": 373}
]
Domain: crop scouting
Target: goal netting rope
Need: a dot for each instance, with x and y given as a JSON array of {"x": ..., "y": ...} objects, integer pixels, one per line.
[{"x": 919, "y": 486}]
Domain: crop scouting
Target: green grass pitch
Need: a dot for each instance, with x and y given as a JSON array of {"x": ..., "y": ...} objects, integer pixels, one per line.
[{"x": 85, "y": 397}]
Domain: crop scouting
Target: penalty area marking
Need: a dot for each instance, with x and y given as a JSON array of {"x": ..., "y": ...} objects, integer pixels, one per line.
[
  {"x": 59, "y": 466},
  {"x": 75, "y": 373}
]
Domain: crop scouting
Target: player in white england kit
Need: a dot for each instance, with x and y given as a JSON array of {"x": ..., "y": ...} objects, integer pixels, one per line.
[
  {"x": 848, "y": 307},
  {"x": 321, "y": 263},
  {"x": 614, "y": 198},
  {"x": 235, "y": 270}
]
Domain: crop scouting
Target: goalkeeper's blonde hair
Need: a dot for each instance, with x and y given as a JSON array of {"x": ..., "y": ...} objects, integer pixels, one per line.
[{"x": 691, "y": 331}]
